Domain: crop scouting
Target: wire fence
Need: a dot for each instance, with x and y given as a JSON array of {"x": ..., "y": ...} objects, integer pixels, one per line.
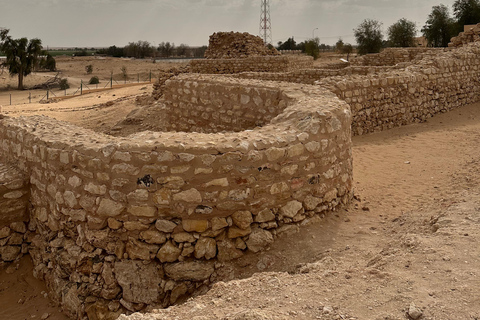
[{"x": 11, "y": 98}]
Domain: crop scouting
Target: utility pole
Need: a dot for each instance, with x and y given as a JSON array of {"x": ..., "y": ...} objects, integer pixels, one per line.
[{"x": 265, "y": 22}]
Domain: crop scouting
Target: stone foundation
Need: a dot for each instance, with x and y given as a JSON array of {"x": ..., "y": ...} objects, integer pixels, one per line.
[
  {"x": 251, "y": 64},
  {"x": 14, "y": 194}
]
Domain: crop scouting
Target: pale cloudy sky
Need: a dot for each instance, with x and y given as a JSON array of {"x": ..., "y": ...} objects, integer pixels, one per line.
[{"x": 96, "y": 23}]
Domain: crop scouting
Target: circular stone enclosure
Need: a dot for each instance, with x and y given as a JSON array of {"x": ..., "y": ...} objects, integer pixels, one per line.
[{"x": 238, "y": 160}]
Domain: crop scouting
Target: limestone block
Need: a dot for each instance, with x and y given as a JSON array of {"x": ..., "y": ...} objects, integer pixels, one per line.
[
  {"x": 195, "y": 225},
  {"x": 242, "y": 219},
  {"x": 191, "y": 196},
  {"x": 140, "y": 283},
  {"x": 153, "y": 237},
  {"x": 110, "y": 208},
  {"x": 165, "y": 226},
  {"x": 227, "y": 251},
  {"x": 259, "y": 239},
  {"x": 206, "y": 248},
  {"x": 189, "y": 271},
  {"x": 291, "y": 209},
  {"x": 168, "y": 252}
]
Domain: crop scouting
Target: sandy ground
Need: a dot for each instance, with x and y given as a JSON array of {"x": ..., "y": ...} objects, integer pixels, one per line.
[{"x": 408, "y": 241}]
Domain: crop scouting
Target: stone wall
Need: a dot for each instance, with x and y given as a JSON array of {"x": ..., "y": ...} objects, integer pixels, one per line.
[
  {"x": 13, "y": 213},
  {"x": 393, "y": 56},
  {"x": 415, "y": 93},
  {"x": 251, "y": 64},
  {"x": 471, "y": 34},
  {"x": 122, "y": 223},
  {"x": 385, "y": 97},
  {"x": 310, "y": 76}
]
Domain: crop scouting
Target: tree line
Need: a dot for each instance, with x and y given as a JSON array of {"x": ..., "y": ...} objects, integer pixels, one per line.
[
  {"x": 143, "y": 50},
  {"x": 439, "y": 28}
]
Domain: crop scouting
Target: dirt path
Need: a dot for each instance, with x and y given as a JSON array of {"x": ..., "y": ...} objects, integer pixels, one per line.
[{"x": 410, "y": 238}]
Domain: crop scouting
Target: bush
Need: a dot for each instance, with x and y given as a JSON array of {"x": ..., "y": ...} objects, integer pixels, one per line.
[
  {"x": 64, "y": 84},
  {"x": 94, "y": 80},
  {"x": 89, "y": 69}
]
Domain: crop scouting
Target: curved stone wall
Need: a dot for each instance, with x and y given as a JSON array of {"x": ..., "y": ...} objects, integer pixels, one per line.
[{"x": 121, "y": 223}]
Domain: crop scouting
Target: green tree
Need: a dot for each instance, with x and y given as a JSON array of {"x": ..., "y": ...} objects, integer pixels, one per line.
[
  {"x": 22, "y": 55},
  {"x": 339, "y": 45},
  {"x": 347, "y": 49},
  {"x": 466, "y": 12},
  {"x": 48, "y": 63},
  {"x": 311, "y": 48},
  {"x": 369, "y": 36},
  {"x": 439, "y": 27},
  {"x": 402, "y": 33},
  {"x": 290, "y": 44}
]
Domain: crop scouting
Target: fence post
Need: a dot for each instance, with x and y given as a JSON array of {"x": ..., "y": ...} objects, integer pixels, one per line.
[
  {"x": 47, "y": 94},
  {"x": 81, "y": 87},
  {"x": 138, "y": 77},
  {"x": 29, "y": 97},
  {"x": 10, "y": 99},
  {"x": 150, "y": 75},
  {"x": 111, "y": 80}
]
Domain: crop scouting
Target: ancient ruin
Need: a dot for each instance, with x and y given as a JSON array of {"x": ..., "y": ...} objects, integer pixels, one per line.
[{"x": 115, "y": 224}]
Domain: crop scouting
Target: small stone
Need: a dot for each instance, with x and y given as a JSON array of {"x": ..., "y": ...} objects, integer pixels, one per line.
[
  {"x": 95, "y": 189},
  {"x": 110, "y": 208},
  {"x": 19, "y": 227},
  {"x": 134, "y": 226},
  {"x": 168, "y": 252},
  {"x": 183, "y": 237},
  {"x": 274, "y": 154},
  {"x": 259, "y": 239},
  {"x": 311, "y": 202},
  {"x": 227, "y": 251},
  {"x": 191, "y": 196},
  {"x": 139, "y": 195},
  {"x": 165, "y": 226},
  {"x": 219, "y": 223},
  {"x": 223, "y": 182},
  {"x": 162, "y": 196},
  {"x": 206, "y": 248},
  {"x": 45, "y": 316},
  {"x": 414, "y": 312},
  {"x": 237, "y": 232},
  {"x": 242, "y": 219},
  {"x": 291, "y": 209},
  {"x": 189, "y": 271},
  {"x": 5, "y": 232},
  {"x": 114, "y": 224},
  {"x": 153, "y": 237},
  {"x": 142, "y": 211},
  {"x": 264, "y": 216},
  {"x": 195, "y": 225},
  {"x": 13, "y": 195}
]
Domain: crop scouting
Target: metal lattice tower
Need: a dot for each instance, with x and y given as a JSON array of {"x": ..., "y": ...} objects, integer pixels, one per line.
[{"x": 265, "y": 22}]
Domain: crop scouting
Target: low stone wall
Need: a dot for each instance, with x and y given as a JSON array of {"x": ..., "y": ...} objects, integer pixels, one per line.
[
  {"x": 310, "y": 76},
  {"x": 434, "y": 84},
  {"x": 122, "y": 223},
  {"x": 13, "y": 213},
  {"x": 393, "y": 56},
  {"x": 251, "y": 64}
]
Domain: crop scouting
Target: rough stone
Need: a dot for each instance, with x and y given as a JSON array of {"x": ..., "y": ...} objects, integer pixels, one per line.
[
  {"x": 291, "y": 209},
  {"x": 168, "y": 252},
  {"x": 259, "y": 239},
  {"x": 195, "y": 225},
  {"x": 140, "y": 283},
  {"x": 206, "y": 248},
  {"x": 189, "y": 271},
  {"x": 242, "y": 219},
  {"x": 165, "y": 226},
  {"x": 191, "y": 196},
  {"x": 110, "y": 208}
]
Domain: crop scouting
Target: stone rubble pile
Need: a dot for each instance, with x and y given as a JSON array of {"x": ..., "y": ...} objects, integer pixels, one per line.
[
  {"x": 235, "y": 45},
  {"x": 471, "y": 35}
]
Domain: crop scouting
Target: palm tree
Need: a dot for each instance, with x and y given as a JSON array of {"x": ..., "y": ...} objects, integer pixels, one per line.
[{"x": 22, "y": 55}]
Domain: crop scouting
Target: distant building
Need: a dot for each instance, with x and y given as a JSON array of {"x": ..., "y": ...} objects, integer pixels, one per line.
[
  {"x": 421, "y": 42},
  {"x": 468, "y": 27}
]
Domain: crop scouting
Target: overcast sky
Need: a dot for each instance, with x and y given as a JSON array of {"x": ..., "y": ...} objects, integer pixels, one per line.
[{"x": 100, "y": 23}]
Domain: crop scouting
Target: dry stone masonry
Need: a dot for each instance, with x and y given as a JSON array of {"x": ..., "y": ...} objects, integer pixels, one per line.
[
  {"x": 236, "y": 45},
  {"x": 117, "y": 224}
]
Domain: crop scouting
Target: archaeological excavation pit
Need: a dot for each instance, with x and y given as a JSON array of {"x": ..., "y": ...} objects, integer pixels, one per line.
[{"x": 117, "y": 224}]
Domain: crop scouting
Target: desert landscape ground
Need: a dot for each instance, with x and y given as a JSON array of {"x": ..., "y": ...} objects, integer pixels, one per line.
[{"x": 405, "y": 247}]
